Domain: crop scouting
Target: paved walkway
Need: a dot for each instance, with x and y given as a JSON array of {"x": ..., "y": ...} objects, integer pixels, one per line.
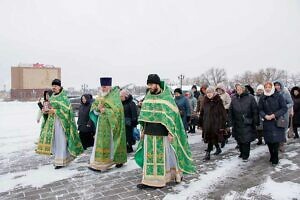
[{"x": 113, "y": 184}]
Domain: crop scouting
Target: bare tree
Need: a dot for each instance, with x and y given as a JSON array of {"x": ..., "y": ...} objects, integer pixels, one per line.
[
  {"x": 272, "y": 74},
  {"x": 293, "y": 80},
  {"x": 214, "y": 76}
]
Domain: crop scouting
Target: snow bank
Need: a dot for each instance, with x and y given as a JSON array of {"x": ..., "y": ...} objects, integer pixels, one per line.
[
  {"x": 277, "y": 191},
  {"x": 35, "y": 178},
  {"x": 206, "y": 183}
]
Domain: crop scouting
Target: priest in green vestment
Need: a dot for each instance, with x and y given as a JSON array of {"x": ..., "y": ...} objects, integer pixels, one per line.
[
  {"x": 110, "y": 139},
  {"x": 163, "y": 152},
  {"x": 59, "y": 136}
]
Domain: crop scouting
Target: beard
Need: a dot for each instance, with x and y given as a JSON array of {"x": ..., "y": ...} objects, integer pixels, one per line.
[
  {"x": 103, "y": 94},
  {"x": 153, "y": 91}
]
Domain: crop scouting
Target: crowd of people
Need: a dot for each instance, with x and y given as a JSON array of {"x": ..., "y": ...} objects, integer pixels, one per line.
[{"x": 109, "y": 123}]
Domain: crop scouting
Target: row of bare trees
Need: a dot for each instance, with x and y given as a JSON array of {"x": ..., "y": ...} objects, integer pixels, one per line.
[{"x": 213, "y": 76}]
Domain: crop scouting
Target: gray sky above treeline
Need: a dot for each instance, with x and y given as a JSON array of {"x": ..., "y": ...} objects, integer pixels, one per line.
[{"x": 128, "y": 39}]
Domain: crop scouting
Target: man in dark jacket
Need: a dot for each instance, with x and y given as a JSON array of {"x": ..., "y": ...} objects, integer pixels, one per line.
[
  {"x": 85, "y": 125},
  {"x": 130, "y": 112},
  {"x": 183, "y": 106},
  {"x": 243, "y": 116}
]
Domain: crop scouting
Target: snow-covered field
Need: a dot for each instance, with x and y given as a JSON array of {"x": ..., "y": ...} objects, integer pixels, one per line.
[{"x": 20, "y": 131}]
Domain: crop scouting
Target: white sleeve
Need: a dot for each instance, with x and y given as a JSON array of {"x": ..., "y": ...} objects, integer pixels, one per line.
[
  {"x": 39, "y": 115},
  {"x": 96, "y": 113}
]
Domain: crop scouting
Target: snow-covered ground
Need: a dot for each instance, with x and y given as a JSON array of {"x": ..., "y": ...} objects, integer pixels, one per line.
[
  {"x": 20, "y": 131},
  {"x": 277, "y": 191},
  {"x": 19, "y": 128}
]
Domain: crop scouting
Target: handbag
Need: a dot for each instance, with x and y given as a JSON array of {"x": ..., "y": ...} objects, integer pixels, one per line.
[{"x": 281, "y": 122}]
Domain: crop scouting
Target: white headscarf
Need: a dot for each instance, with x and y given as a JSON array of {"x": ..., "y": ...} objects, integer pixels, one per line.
[{"x": 272, "y": 90}]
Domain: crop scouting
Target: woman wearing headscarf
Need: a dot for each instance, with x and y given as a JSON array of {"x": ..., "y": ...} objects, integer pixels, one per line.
[
  {"x": 259, "y": 129},
  {"x": 212, "y": 120},
  {"x": 85, "y": 125},
  {"x": 272, "y": 106},
  {"x": 295, "y": 93},
  {"x": 243, "y": 117}
]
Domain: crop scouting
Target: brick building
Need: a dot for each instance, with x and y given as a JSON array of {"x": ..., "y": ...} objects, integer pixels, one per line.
[{"x": 29, "y": 82}]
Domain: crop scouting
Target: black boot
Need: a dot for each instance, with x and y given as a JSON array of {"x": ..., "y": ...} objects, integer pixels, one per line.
[
  {"x": 218, "y": 151},
  {"x": 129, "y": 148},
  {"x": 119, "y": 165},
  {"x": 207, "y": 156},
  {"x": 223, "y": 144}
]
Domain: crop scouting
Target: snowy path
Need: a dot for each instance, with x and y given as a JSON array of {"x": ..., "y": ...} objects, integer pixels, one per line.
[{"x": 26, "y": 175}]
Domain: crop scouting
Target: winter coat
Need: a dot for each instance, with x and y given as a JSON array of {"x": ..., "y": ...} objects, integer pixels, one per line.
[
  {"x": 212, "y": 119},
  {"x": 224, "y": 96},
  {"x": 84, "y": 122},
  {"x": 184, "y": 109},
  {"x": 193, "y": 103},
  {"x": 196, "y": 94},
  {"x": 260, "y": 125},
  {"x": 288, "y": 100},
  {"x": 274, "y": 104},
  {"x": 296, "y": 107},
  {"x": 130, "y": 112},
  {"x": 243, "y": 117},
  {"x": 200, "y": 103}
]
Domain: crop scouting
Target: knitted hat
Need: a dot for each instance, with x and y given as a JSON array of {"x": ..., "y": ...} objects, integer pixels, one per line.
[
  {"x": 153, "y": 78},
  {"x": 56, "y": 82},
  {"x": 178, "y": 90},
  {"x": 260, "y": 87}
]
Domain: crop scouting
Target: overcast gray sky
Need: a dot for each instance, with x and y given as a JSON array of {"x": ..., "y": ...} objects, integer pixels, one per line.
[{"x": 127, "y": 39}]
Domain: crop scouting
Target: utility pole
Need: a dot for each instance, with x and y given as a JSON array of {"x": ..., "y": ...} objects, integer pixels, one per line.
[
  {"x": 181, "y": 77},
  {"x": 84, "y": 88}
]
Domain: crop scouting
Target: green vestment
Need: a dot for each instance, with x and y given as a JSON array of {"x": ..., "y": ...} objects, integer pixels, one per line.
[
  {"x": 110, "y": 127},
  {"x": 161, "y": 108},
  {"x": 64, "y": 112}
]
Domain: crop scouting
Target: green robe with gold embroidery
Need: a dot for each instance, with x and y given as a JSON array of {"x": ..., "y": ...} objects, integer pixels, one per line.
[
  {"x": 107, "y": 123},
  {"x": 64, "y": 112},
  {"x": 162, "y": 109}
]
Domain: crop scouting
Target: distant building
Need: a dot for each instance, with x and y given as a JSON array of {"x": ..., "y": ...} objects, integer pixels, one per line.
[{"x": 28, "y": 83}]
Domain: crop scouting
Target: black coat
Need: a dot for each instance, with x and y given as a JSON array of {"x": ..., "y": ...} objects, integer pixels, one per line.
[
  {"x": 274, "y": 104},
  {"x": 243, "y": 117},
  {"x": 212, "y": 119},
  {"x": 296, "y": 107},
  {"x": 84, "y": 122},
  {"x": 130, "y": 112}
]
